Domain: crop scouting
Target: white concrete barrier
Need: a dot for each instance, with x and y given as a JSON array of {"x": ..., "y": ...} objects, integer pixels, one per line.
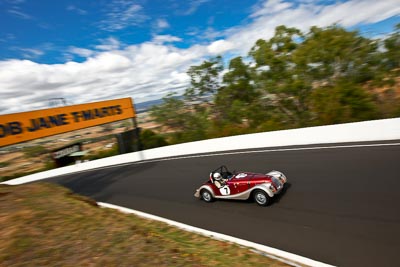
[{"x": 378, "y": 130}]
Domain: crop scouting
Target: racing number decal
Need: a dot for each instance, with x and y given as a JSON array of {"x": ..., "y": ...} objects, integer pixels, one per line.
[{"x": 225, "y": 190}]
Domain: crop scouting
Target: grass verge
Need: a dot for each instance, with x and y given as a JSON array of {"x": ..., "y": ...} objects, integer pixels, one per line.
[{"x": 47, "y": 225}]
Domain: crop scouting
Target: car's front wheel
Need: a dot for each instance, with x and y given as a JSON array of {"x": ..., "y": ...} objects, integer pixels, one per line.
[
  {"x": 206, "y": 195},
  {"x": 261, "y": 198}
]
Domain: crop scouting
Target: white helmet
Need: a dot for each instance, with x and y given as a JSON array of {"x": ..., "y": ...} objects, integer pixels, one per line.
[{"x": 217, "y": 176}]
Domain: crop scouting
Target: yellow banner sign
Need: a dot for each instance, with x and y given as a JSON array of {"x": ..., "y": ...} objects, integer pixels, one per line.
[{"x": 25, "y": 126}]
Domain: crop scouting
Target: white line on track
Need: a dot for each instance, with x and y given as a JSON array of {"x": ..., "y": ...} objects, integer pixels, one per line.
[
  {"x": 254, "y": 151},
  {"x": 283, "y": 256},
  {"x": 241, "y": 152}
]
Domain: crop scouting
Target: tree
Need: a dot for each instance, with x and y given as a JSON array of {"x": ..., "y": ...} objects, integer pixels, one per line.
[
  {"x": 238, "y": 93},
  {"x": 274, "y": 57},
  {"x": 150, "y": 139},
  {"x": 344, "y": 102},
  {"x": 291, "y": 80},
  {"x": 204, "y": 79},
  {"x": 385, "y": 85},
  {"x": 285, "y": 90},
  {"x": 333, "y": 52},
  {"x": 171, "y": 113},
  {"x": 392, "y": 53},
  {"x": 187, "y": 123}
]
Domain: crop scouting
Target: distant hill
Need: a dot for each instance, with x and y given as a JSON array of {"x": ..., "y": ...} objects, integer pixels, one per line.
[{"x": 145, "y": 106}]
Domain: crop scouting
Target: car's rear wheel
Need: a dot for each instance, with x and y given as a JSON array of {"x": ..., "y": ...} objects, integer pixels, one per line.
[
  {"x": 261, "y": 198},
  {"x": 206, "y": 195}
]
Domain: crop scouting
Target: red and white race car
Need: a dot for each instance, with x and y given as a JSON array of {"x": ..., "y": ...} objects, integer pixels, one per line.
[{"x": 224, "y": 184}]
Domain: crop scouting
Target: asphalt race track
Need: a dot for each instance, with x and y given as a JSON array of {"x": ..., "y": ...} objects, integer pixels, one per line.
[{"x": 341, "y": 206}]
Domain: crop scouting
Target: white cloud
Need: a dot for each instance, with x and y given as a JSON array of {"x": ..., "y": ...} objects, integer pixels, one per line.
[
  {"x": 19, "y": 14},
  {"x": 16, "y": 10},
  {"x": 161, "y": 24},
  {"x": 270, "y": 7},
  {"x": 219, "y": 47},
  {"x": 16, "y": 2},
  {"x": 108, "y": 44},
  {"x": 83, "y": 52},
  {"x": 77, "y": 10},
  {"x": 152, "y": 69},
  {"x": 193, "y": 6},
  {"x": 7, "y": 37},
  {"x": 30, "y": 52},
  {"x": 361, "y": 11},
  {"x": 160, "y": 39},
  {"x": 122, "y": 14},
  {"x": 137, "y": 71},
  {"x": 273, "y": 13}
]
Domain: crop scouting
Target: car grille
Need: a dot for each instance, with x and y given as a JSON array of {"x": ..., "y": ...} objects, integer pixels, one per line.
[{"x": 276, "y": 182}]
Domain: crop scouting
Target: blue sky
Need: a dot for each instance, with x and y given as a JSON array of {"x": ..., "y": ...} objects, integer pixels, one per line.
[
  {"x": 94, "y": 50},
  {"x": 44, "y": 30}
]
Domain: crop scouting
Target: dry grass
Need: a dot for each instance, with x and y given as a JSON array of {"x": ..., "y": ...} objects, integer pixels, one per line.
[{"x": 47, "y": 225}]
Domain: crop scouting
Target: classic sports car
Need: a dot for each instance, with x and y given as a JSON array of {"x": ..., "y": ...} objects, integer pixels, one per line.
[{"x": 224, "y": 184}]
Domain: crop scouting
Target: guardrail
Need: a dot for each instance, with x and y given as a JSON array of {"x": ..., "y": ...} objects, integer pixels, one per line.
[{"x": 378, "y": 130}]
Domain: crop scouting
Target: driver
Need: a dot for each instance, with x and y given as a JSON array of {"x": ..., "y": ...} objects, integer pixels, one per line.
[{"x": 219, "y": 181}]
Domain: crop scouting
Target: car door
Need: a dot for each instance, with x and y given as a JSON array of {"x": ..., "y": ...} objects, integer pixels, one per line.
[{"x": 239, "y": 185}]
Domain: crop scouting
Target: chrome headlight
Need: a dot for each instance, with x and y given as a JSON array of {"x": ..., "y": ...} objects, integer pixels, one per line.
[{"x": 272, "y": 188}]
